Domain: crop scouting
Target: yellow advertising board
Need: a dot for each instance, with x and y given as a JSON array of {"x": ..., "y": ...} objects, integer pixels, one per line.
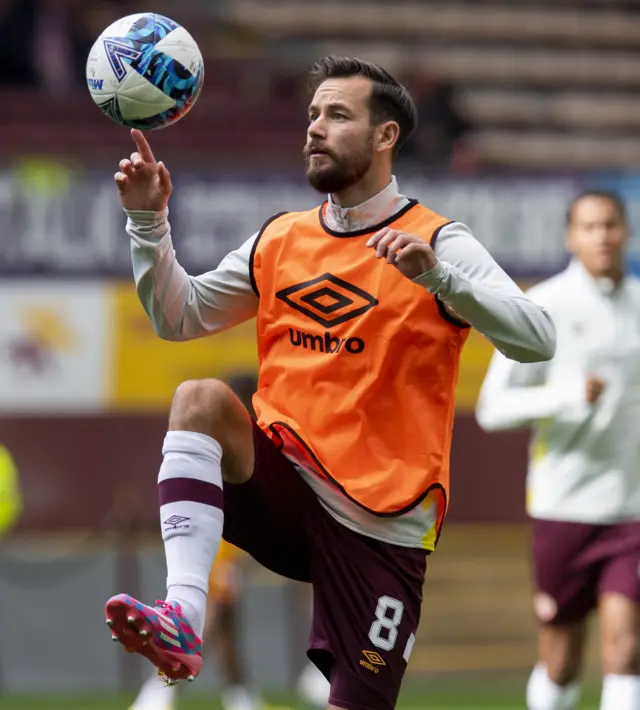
[
  {"x": 147, "y": 370},
  {"x": 474, "y": 362}
]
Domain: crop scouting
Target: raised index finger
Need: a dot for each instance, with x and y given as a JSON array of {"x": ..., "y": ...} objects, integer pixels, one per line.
[{"x": 143, "y": 146}]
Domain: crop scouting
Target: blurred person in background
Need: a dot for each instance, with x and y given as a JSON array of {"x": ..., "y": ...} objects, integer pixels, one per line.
[
  {"x": 583, "y": 483},
  {"x": 363, "y": 305},
  {"x": 10, "y": 495}
]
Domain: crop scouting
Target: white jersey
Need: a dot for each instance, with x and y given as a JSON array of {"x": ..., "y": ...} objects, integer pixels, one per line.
[
  {"x": 467, "y": 280},
  {"x": 585, "y": 459}
]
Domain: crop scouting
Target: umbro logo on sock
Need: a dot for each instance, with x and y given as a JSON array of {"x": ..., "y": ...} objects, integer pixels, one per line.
[{"x": 176, "y": 522}]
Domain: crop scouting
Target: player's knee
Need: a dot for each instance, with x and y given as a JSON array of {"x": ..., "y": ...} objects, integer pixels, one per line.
[
  {"x": 621, "y": 653},
  {"x": 204, "y": 406}
]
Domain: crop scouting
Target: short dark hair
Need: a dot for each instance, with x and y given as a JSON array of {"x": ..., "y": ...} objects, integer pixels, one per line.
[
  {"x": 613, "y": 197},
  {"x": 390, "y": 101}
]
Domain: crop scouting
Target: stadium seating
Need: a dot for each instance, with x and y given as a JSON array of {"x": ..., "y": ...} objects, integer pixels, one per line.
[{"x": 545, "y": 85}]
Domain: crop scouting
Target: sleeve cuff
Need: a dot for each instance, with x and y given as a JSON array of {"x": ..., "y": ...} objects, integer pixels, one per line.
[
  {"x": 431, "y": 280},
  {"x": 143, "y": 218}
]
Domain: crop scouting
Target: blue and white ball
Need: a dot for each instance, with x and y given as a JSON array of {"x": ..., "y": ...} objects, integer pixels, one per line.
[{"x": 145, "y": 71}]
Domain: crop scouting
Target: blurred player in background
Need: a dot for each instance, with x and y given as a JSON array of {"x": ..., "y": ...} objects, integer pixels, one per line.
[
  {"x": 363, "y": 306},
  {"x": 10, "y": 495},
  {"x": 583, "y": 484}
]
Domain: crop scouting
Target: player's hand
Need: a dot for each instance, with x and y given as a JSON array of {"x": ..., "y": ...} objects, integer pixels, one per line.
[
  {"x": 409, "y": 253},
  {"x": 594, "y": 389},
  {"x": 143, "y": 183}
]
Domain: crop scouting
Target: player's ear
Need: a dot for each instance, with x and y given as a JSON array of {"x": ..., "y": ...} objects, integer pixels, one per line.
[{"x": 387, "y": 135}]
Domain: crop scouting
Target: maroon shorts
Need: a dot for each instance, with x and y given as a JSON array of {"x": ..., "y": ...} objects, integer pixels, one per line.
[
  {"x": 575, "y": 563},
  {"x": 367, "y": 594}
]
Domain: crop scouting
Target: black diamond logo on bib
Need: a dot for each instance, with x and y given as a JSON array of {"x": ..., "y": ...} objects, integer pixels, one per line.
[{"x": 328, "y": 300}]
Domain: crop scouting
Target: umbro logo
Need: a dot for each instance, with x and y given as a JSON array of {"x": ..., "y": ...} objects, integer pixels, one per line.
[
  {"x": 328, "y": 300},
  {"x": 175, "y": 522},
  {"x": 373, "y": 661}
]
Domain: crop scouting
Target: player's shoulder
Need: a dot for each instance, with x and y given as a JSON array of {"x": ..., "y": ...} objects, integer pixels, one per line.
[
  {"x": 632, "y": 283},
  {"x": 452, "y": 229},
  {"x": 415, "y": 207}
]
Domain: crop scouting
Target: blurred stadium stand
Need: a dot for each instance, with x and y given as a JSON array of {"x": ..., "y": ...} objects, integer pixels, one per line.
[
  {"x": 540, "y": 85},
  {"x": 545, "y": 85}
]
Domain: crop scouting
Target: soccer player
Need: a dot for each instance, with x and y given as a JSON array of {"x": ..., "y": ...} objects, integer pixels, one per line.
[
  {"x": 583, "y": 484},
  {"x": 363, "y": 306}
]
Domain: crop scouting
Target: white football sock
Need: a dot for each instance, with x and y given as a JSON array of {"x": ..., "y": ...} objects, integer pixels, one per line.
[
  {"x": 155, "y": 694},
  {"x": 620, "y": 692},
  {"x": 544, "y": 694},
  {"x": 190, "y": 492}
]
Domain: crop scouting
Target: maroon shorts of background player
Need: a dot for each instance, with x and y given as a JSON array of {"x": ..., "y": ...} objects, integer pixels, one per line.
[
  {"x": 367, "y": 593},
  {"x": 576, "y": 563}
]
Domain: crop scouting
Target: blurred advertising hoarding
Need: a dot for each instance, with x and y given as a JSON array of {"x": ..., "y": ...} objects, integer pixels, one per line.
[
  {"x": 88, "y": 347},
  {"x": 75, "y": 227},
  {"x": 74, "y": 337}
]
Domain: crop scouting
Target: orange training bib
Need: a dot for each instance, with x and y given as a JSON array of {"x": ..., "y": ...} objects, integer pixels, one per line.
[{"x": 358, "y": 364}]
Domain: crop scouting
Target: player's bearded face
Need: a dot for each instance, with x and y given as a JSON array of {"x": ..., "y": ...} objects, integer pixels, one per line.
[{"x": 333, "y": 169}]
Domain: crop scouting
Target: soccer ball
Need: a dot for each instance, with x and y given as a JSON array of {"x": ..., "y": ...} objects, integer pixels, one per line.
[{"x": 145, "y": 71}]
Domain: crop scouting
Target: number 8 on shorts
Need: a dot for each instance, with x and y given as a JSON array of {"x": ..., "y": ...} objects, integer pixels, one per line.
[{"x": 384, "y": 631}]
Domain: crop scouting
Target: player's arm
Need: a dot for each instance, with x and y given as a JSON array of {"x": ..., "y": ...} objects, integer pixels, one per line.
[
  {"x": 467, "y": 280},
  {"x": 181, "y": 307},
  {"x": 516, "y": 395}
]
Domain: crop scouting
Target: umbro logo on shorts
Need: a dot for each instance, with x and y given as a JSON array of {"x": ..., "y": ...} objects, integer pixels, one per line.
[
  {"x": 328, "y": 300},
  {"x": 373, "y": 660}
]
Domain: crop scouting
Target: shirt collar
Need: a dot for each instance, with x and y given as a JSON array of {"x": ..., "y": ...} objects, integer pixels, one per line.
[
  {"x": 604, "y": 285},
  {"x": 367, "y": 214}
]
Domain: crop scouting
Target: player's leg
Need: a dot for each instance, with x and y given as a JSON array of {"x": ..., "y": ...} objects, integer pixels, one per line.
[
  {"x": 554, "y": 681},
  {"x": 367, "y": 603},
  {"x": 565, "y": 580},
  {"x": 619, "y": 618},
  {"x": 210, "y": 437},
  {"x": 620, "y": 634},
  {"x": 206, "y": 417},
  {"x": 311, "y": 685},
  {"x": 223, "y": 629}
]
